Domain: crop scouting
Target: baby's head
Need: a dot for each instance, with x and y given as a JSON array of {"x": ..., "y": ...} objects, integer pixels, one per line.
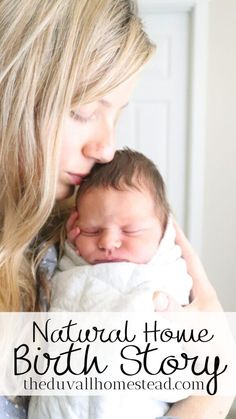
[{"x": 122, "y": 209}]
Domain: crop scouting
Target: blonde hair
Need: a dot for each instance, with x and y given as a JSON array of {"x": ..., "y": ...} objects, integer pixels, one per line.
[{"x": 54, "y": 54}]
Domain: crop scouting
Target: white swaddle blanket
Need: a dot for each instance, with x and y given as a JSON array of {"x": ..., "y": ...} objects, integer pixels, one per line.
[{"x": 121, "y": 286}]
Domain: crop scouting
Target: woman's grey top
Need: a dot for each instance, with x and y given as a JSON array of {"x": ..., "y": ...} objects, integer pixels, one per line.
[
  {"x": 13, "y": 410},
  {"x": 18, "y": 408}
]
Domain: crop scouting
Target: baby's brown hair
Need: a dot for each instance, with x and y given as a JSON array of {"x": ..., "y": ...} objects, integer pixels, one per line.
[{"x": 129, "y": 169}]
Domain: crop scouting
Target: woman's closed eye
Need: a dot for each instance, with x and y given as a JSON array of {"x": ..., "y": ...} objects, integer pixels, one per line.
[{"x": 77, "y": 116}]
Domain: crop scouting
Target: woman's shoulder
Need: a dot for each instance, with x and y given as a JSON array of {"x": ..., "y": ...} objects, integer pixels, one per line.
[
  {"x": 49, "y": 262},
  {"x": 16, "y": 409},
  {"x": 47, "y": 268}
]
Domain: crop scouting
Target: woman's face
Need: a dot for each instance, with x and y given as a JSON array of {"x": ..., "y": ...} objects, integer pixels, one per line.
[{"x": 88, "y": 137}]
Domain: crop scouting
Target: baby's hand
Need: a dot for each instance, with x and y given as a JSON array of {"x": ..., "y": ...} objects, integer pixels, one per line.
[{"x": 72, "y": 229}]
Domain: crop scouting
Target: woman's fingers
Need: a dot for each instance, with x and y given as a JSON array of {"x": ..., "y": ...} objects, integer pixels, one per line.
[
  {"x": 71, "y": 222},
  {"x": 71, "y": 236},
  {"x": 204, "y": 302},
  {"x": 164, "y": 302},
  {"x": 72, "y": 229}
]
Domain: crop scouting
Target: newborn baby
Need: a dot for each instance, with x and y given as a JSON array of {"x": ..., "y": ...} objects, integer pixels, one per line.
[{"x": 127, "y": 251}]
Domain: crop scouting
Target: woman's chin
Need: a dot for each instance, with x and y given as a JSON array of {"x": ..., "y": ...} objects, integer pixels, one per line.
[{"x": 64, "y": 191}]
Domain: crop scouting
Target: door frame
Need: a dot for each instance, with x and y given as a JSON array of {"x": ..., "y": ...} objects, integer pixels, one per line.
[{"x": 196, "y": 131}]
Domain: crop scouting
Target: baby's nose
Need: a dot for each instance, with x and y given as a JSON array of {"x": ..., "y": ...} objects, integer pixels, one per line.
[{"x": 109, "y": 242}]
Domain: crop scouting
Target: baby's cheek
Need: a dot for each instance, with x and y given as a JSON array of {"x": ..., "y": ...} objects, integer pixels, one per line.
[
  {"x": 87, "y": 247},
  {"x": 143, "y": 249},
  {"x": 135, "y": 247}
]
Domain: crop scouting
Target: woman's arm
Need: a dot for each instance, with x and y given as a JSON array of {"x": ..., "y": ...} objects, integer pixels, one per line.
[
  {"x": 203, "y": 295},
  {"x": 202, "y": 407},
  {"x": 203, "y": 298}
]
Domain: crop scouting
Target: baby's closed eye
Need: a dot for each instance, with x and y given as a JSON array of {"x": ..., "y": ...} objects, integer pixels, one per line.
[
  {"x": 89, "y": 232},
  {"x": 132, "y": 232}
]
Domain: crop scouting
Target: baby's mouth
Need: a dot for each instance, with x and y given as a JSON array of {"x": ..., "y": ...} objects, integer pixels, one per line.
[{"x": 109, "y": 260}]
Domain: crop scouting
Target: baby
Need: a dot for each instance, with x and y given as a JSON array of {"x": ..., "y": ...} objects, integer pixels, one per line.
[
  {"x": 123, "y": 211},
  {"x": 127, "y": 251}
]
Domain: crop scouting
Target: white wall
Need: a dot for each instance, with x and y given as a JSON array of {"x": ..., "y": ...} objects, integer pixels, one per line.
[
  {"x": 219, "y": 220},
  {"x": 219, "y": 223}
]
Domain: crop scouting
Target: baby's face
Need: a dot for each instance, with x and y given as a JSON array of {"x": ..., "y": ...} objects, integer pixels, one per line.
[{"x": 117, "y": 226}]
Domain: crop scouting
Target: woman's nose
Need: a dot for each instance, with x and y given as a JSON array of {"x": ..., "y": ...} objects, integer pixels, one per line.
[
  {"x": 101, "y": 147},
  {"x": 109, "y": 242}
]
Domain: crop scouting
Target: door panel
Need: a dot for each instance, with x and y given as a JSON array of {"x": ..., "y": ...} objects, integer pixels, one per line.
[{"x": 155, "y": 122}]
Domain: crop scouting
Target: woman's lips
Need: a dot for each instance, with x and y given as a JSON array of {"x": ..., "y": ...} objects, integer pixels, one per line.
[{"x": 75, "y": 178}]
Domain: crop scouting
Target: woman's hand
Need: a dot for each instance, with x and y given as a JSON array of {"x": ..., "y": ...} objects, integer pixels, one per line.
[
  {"x": 203, "y": 295},
  {"x": 72, "y": 229}
]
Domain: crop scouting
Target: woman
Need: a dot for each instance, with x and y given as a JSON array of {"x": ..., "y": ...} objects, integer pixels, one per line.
[{"x": 67, "y": 70}]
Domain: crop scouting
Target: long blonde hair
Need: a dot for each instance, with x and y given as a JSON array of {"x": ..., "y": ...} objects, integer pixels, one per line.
[{"x": 54, "y": 54}]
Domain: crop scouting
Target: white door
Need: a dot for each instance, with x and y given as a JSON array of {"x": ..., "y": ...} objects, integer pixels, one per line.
[{"x": 155, "y": 121}]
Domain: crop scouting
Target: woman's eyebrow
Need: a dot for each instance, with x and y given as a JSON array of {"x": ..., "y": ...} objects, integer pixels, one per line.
[{"x": 107, "y": 104}]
